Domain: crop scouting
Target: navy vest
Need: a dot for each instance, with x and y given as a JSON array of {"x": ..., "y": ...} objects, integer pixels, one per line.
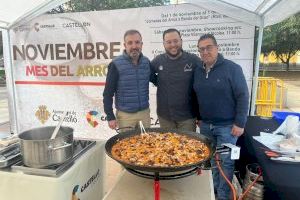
[{"x": 133, "y": 86}]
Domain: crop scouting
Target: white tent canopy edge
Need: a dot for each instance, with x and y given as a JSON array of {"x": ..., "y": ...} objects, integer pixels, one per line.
[
  {"x": 260, "y": 13},
  {"x": 17, "y": 12}
]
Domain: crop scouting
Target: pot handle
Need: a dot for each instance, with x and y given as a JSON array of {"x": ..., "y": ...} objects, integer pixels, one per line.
[{"x": 60, "y": 147}]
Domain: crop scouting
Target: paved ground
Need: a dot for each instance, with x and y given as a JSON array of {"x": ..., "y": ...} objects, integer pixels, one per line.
[{"x": 293, "y": 94}]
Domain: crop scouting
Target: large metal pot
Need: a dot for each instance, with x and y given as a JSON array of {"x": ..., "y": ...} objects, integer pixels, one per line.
[{"x": 39, "y": 151}]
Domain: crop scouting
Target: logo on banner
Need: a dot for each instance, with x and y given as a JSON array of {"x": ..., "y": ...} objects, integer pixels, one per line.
[
  {"x": 71, "y": 116},
  {"x": 91, "y": 117},
  {"x": 188, "y": 68},
  {"x": 22, "y": 28},
  {"x": 76, "y": 24},
  {"x": 37, "y": 26},
  {"x": 42, "y": 114}
]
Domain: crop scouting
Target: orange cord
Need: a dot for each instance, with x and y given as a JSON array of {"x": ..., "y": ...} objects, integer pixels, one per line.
[
  {"x": 249, "y": 186},
  {"x": 226, "y": 179},
  {"x": 217, "y": 158}
]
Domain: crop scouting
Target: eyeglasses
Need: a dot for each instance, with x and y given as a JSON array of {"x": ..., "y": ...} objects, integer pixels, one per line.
[
  {"x": 169, "y": 42},
  {"x": 208, "y": 48}
]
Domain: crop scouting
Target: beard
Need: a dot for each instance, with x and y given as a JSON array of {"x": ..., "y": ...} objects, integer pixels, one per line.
[
  {"x": 172, "y": 55},
  {"x": 134, "y": 53}
]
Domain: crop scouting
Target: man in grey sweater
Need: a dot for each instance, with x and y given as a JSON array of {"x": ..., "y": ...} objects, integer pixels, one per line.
[{"x": 172, "y": 73}]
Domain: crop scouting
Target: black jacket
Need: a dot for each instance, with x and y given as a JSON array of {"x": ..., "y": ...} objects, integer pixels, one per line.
[{"x": 176, "y": 99}]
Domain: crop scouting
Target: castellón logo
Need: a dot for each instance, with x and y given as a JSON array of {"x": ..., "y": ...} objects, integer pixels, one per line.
[{"x": 42, "y": 114}]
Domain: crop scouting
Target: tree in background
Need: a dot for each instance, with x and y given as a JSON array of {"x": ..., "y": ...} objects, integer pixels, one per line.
[
  {"x": 93, "y": 5},
  {"x": 283, "y": 39}
]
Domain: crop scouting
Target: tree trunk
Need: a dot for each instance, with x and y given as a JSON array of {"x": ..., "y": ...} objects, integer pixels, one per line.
[
  {"x": 287, "y": 62},
  {"x": 288, "y": 66}
]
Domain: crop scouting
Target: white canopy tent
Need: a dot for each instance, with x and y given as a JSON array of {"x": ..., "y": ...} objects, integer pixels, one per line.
[{"x": 260, "y": 13}]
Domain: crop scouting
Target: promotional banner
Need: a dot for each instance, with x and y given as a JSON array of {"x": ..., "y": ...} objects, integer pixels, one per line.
[{"x": 60, "y": 61}]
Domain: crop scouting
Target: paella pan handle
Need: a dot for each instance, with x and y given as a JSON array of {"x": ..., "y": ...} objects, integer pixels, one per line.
[{"x": 60, "y": 147}]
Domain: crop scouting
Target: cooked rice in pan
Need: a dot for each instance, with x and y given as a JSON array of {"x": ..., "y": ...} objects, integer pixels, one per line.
[{"x": 160, "y": 150}]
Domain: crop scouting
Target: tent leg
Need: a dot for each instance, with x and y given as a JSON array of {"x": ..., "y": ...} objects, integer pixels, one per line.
[
  {"x": 10, "y": 86},
  {"x": 255, "y": 77}
]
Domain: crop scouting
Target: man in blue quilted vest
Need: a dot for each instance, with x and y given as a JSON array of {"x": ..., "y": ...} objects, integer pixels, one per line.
[{"x": 128, "y": 81}]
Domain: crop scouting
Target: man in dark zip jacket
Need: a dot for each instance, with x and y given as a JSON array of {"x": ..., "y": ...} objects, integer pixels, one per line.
[
  {"x": 223, "y": 100},
  {"x": 174, "y": 70},
  {"x": 128, "y": 81}
]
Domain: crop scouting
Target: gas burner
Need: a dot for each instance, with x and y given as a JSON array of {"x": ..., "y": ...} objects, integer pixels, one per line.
[
  {"x": 163, "y": 175},
  {"x": 157, "y": 176},
  {"x": 10, "y": 155},
  {"x": 79, "y": 147}
]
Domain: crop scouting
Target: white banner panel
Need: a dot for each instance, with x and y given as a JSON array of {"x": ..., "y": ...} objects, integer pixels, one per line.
[{"x": 60, "y": 61}]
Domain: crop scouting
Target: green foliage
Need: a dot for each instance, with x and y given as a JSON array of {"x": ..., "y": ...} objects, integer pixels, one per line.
[
  {"x": 93, "y": 5},
  {"x": 283, "y": 39}
]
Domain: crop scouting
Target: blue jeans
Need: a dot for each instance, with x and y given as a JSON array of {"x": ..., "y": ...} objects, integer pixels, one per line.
[{"x": 220, "y": 135}]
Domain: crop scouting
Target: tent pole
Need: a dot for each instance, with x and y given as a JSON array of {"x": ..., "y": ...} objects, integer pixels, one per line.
[
  {"x": 10, "y": 86},
  {"x": 255, "y": 77}
]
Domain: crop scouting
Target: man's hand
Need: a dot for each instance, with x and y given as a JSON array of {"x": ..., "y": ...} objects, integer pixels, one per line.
[
  {"x": 112, "y": 124},
  {"x": 237, "y": 131}
]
